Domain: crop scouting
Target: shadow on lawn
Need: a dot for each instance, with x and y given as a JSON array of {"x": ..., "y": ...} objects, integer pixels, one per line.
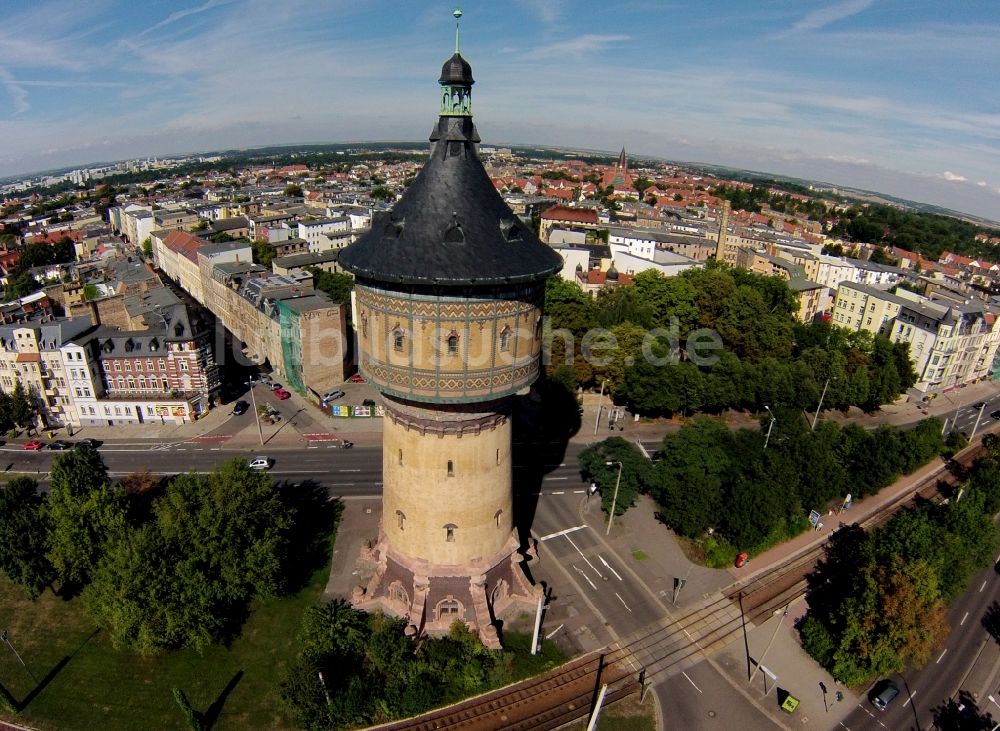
[
  {"x": 17, "y": 706},
  {"x": 211, "y": 715}
]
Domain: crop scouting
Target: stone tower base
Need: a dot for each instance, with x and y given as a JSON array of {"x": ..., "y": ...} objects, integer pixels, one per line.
[{"x": 431, "y": 597}]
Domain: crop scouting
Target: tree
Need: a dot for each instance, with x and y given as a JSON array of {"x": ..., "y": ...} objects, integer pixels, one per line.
[
  {"x": 147, "y": 248},
  {"x": 336, "y": 285},
  {"x": 380, "y": 192},
  {"x": 293, "y": 190},
  {"x": 24, "y": 529},
  {"x": 636, "y": 472},
  {"x": 186, "y": 578},
  {"x": 263, "y": 252},
  {"x": 85, "y": 514},
  {"x": 23, "y": 406},
  {"x": 692, "y": 469}
]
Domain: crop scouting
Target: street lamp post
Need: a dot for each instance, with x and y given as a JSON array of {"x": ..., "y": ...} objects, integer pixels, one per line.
[
  {"x": 978, "y": 419},
  {"x": 600, "y": 406},
  {"x": 256, "y": 416},
  {"x": 6, "y": 639},
  {"x": 769, "y": 426},
  {"x": 820, "y": 407},
  {"x": 614, "y": 499}
]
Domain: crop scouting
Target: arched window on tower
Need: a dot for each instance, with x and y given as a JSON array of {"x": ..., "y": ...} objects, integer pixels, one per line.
[
  {"x": 397, "y": 339},
  {"x": 449, "y": 532},
  {"x": 400, "y": 519},
  {"x": 505, "y": 339},
  {"x": 452, "y": 343},
  {"x": 449, "y": 607}
]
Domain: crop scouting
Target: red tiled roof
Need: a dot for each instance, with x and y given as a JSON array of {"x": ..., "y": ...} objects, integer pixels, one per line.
[
  {"x": 28, "y": 358},
  {"x": 563, "y": 213},
  {"x": 184, "y": 244}
]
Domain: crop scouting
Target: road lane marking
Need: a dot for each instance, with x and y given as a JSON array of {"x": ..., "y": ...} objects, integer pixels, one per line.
[
  {"x": 562, "y": 532},
  {"x": 580, "y": 571},
  {"x": 595, "y": 569},
  {"x": 963, "y": 619},
  {"x": 558, "y": 492},
  {"x": 552, "y": 633},
  {"x": 623, "y": 602},
  {"x": 579, "y": 492},
  {"x": 983, "y": 586},
  {"x": 348, "y": 470},
  {"x": 912, "y": 693},
  {"x": 556, "y": 478},
  {"x": 941, "y": 655},
  {"x": 691, "y": 681},
  {"x": 609, "y": 567}
]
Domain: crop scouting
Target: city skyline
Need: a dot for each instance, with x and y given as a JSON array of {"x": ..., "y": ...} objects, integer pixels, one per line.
[{"x": 888, "y": 96}]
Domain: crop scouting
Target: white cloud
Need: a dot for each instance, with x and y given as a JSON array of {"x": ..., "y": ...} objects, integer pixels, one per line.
[
  {"x": 982, "y": 184},
  {"x": 181, "y": 14},
  {"x": 18, "y": 94},
  {"x": 578, "y": 46},
  {"x": 953, "y": 177},
  {"x": 823, "y": 17}
]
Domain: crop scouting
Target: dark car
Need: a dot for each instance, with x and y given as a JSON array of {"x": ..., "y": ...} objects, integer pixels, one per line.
[
  {"x": 995, "y": 415},
  {"x": 88, "y": 444},
  {"x": 883, "y": 693},
  {"x": 59, "y": 444},
  {"x": 240, "y": 407},
  {"x": 369, "y": 402},
  {"x": 980, "y": 405}
]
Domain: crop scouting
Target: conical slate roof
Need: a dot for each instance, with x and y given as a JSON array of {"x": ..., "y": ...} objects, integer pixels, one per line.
[{"x": 451, "y": 227}]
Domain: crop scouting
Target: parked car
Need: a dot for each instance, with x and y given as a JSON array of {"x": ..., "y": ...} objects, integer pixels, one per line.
[
  {"x": 369, "y": 402},
  {"x": 742, "y": 559},
  {"x": 332, "y": 396},
  {"x": 88, "y": 444},
  {"x": 995, "y": 415},
  {"x": 260, "y": 463},
  {"x": 342, "y": 444},
  {"x": 883, "y": 693},
  {"x": 357, "y": 378},
  {"x": 34, "y": 444},
  {"x": 282, "y": 394},
  {"x": 240, "y": 407},
  {"x": 264, "y": 378},
  {"x": 979, "y": 405},
  {"x": 274, "y": 385},
  {"x": 59, "y": 444}
]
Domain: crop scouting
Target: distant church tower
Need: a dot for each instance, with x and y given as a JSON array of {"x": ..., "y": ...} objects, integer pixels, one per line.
[{"x": 449, "y": 293}]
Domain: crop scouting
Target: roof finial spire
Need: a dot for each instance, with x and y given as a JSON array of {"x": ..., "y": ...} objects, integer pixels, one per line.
[{"x": 458, "y": 15}]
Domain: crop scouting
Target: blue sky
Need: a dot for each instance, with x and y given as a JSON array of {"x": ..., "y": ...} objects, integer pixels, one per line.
[{"x": 895, "y": 95}]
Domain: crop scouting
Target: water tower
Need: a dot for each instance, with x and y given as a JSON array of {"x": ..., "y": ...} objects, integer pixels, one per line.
[{"x": 449, "y": 291}]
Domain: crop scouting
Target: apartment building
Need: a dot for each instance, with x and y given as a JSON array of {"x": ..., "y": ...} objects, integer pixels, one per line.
[
  {"x": 863, "y": 307},
  {"x": 37, "y": 355},
  {"x": 949, "y": 345}
]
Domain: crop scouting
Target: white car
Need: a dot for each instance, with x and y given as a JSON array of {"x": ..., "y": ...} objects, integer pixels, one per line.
[{"x": 260, "y": 463}]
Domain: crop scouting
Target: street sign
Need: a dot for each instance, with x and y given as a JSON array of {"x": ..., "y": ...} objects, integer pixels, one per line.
[
  {"x": 790, "y": 704},
  {"x": 814, "y": 518}
]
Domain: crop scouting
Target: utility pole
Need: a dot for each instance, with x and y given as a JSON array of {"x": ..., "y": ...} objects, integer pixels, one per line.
[
  {"x": 820, "y": 407},
  {"x": 597, "y": 708},
  {"x": 978, "y": 419},
  {"x": 600, "y": 406},
  {"x": 256, "y": 416},
  {"x": 769, "y": 426},
  {"x": 614, "y": 500},
  {"x": 4, "y": 636},
  {"x": 538, "y": 625},
  {"x": 769, "y": 643}
]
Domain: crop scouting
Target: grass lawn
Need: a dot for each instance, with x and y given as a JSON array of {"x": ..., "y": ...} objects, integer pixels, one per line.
[
  {"x": 87, "y": 684},
  {"x": 626, "y": 715}
]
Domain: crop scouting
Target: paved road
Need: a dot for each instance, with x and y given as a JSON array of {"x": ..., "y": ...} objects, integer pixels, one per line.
[
  {"x": 347, "y": 472},
  {"x": 702, "y": 698},
  {"x": 970, "y": 661}
]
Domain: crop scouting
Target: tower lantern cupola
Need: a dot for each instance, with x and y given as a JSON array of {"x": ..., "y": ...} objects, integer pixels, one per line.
[{"x": 456, "y": 82}]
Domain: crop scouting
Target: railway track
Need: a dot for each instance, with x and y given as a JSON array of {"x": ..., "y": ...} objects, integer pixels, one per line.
[{"x": 662, "y": 649}]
